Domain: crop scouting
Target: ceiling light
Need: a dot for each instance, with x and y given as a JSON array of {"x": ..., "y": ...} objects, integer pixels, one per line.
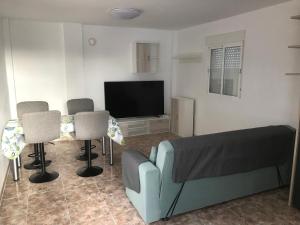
[{"x": 125, "y": 13}]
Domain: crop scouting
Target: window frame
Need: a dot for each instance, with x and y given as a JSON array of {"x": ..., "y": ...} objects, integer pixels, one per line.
[{"x": 224, "y": 46}]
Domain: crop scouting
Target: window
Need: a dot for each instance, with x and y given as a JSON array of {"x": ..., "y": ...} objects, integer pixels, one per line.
[{"x": 225, "y": 70}]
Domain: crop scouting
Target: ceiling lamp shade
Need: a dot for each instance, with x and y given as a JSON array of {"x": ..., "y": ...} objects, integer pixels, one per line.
[{"x": 125, "y": 13}]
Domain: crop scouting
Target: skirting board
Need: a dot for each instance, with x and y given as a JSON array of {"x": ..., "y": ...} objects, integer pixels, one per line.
[{"x": 4, "y": 183}]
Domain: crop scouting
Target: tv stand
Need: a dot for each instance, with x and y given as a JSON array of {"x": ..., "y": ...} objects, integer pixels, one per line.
[{"x": 135, "y": 126}]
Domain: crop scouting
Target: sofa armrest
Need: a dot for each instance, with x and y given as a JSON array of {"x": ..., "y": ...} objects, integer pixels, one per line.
[{"x": 147, "y": 201}]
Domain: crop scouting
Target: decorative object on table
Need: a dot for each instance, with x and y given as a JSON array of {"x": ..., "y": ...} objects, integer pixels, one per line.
[
  {"x": 114, "y": 131},
  {"x": 90, "y": 126},
  {"x": 30, "y": 107},
  {"x": 39, "y": 128},
  {"x": 82, "y": 105}
]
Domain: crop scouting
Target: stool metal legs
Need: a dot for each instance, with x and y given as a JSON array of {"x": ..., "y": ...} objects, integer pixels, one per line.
[
  {"x": 111, "y": 152},
  {"x": 84, "y": 156},
  {"x": 103, "y": 146},
  {"x": 36, "y": 164},
  {"x": 43, "y": 176},
  {"x": 89, "y": 170},
  {"x": 19, "y": 161}
]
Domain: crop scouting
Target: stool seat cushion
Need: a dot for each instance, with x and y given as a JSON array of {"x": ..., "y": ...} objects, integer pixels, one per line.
[
  {"x": 80, "y": 105},
  {"x": 91, "y": 125},
  {"x": 41, "y": 127},
  {"x": 30, "y": 107}
]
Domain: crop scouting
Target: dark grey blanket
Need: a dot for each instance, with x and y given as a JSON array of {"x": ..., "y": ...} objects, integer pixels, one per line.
[
  {"x": 232, "y": 152},
  {"x": 131, "y": 160}
]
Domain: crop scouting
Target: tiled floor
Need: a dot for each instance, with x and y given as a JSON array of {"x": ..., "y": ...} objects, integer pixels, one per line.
[{"x": 101, "y": 200}]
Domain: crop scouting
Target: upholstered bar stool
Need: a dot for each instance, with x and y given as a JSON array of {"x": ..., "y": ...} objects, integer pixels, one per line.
[
  {"x": 82, "y": 105},
  {"x": 41, "y": 127},
  {"x": 90, "y": 126},
  {"x": 30, "y": 107}
]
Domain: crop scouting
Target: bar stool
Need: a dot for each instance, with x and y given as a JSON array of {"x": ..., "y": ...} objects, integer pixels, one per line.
[
  {"x": 41, "y": 127},
  {"x": 82, "y": 105},
  {"x": 30, "y": 107},
  {"x": 90, "y": 126}
]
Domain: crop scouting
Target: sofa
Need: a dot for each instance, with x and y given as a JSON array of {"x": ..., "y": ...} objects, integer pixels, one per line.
[{"x": 158, "y": 190}]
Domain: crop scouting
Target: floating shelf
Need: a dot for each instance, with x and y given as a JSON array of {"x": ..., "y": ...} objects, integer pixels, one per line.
[
  {"x": 296, "y": 17},
  {"x": 292, "y": 74},
  {"x": 294, "y": 46},
  {"x": 188, "y": 57}
]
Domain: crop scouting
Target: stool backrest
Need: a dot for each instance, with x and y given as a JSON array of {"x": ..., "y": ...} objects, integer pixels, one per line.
[
  {"x": 80, "y": 105},
  {"x": 30, "y": 107},
  {"x": 91, "y": 125},
  {"x": 40, "y": 127}
]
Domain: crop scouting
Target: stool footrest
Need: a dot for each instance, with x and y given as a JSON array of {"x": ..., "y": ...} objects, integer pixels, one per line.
[
  {"x": 36, "y": 164},
  {"x": 84, "y": 157},
  {"x": 83, "y": 147}
]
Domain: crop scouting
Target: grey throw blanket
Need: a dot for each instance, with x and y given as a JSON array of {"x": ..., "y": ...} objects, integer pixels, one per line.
[
  {"x": 232, "y": 152},
  {"x": 131, "y": 160}
]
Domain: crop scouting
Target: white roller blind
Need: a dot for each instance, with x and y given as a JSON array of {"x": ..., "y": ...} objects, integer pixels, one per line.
[
  {"x": 220, "y": 40},
  {"x": 232, "y": 69},
  {"x": 216, "y": 70},
  {"x": 225, "y": 70}
]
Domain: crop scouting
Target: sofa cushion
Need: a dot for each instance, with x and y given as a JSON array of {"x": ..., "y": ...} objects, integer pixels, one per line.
[
  {"x": 153, "y": 154},
  {"x": 232, "y": 152}
]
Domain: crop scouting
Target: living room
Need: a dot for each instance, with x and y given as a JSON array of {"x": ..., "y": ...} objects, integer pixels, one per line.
[{"x": 60, "y": 51}]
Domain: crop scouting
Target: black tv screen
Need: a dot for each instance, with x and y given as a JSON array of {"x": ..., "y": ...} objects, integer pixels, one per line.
[{"x": 134, "y": 98}]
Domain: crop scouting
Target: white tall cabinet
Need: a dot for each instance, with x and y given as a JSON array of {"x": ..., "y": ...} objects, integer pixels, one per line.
[{"x": 182, "y": 116}]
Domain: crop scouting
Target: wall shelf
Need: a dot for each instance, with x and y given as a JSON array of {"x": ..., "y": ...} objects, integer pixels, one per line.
[
  {"x": 294, "y": 46},
  {"x": 188, "y": 57},
  {"x": 296, "y": 17},
  {"x": 292, "y": 74},
  {"x": 294, "y": 198}
]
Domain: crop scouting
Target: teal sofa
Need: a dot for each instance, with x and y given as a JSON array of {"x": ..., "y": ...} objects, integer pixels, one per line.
[{"x": 158, "y": 191}]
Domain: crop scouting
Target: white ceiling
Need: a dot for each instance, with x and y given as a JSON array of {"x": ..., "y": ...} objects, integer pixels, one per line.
[{"x": 162, "y": 14}]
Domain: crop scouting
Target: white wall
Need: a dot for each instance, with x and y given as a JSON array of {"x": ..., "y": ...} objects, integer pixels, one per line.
[
  {"x": 39, "y": 62},
  {"x": 268, "y": 96},
  {"x": 75, "y": 78},
  {"x": 110, "y": 59},
  {"x": 4, "y": 105},
  {"x": 54, "y": 62}
]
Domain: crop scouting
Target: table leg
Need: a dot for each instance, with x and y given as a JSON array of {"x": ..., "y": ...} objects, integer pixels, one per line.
[
  {"x": 15, "y": 170},
  {"x": 111, "y": 149},
  {"x": 19, "y": 161},
  {"x": 103, "y": 146}
]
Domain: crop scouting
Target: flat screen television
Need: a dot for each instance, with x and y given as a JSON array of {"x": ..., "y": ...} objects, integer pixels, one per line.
[{"x": 134, "y": 98}]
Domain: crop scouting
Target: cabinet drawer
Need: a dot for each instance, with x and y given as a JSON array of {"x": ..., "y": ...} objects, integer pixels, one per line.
[
  {"x": 136, "y": 124},
  {"x": 138, "y": 131},
  {"x": 159, "y": 126}
]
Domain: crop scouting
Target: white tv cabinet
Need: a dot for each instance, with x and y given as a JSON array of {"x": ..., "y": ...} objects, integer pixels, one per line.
[{"x": 145, "y": 125}]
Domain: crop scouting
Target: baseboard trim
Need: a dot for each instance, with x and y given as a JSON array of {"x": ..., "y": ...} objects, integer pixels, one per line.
[{"x": 4, "y": 183}]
